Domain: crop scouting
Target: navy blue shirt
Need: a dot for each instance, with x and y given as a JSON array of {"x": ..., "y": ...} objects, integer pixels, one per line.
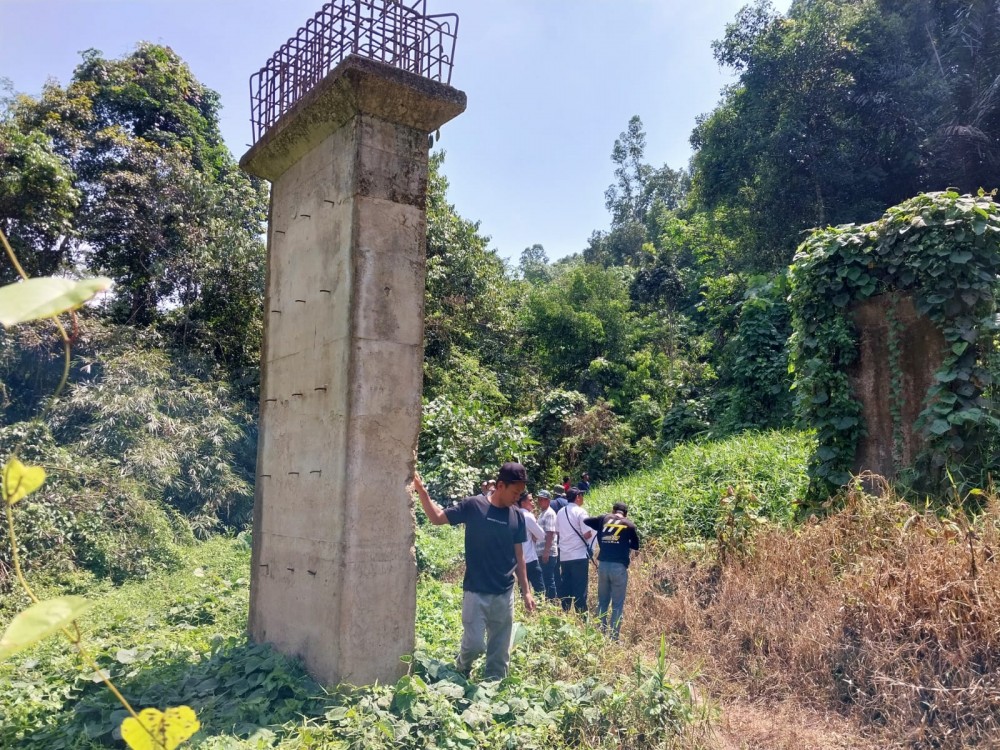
[
  {"x": 616, "y": 534},
  {"x": 490, "y": 536}
]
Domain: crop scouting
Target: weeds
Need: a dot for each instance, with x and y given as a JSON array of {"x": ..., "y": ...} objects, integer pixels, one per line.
[
  {"x": 568, "y": 686},
  {"x": 879, "y": 611},
  {"x": 680, "y": 499}
]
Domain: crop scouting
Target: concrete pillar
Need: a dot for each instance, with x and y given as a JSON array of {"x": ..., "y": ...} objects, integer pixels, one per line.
[
  {"x": 334, "y": 575},
  {"x": 921, "y": 351}
]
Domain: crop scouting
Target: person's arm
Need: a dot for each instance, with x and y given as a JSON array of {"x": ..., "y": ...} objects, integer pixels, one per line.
[
  {"x": 522, "y": 579},
  {"x": 588, "y": 534},
  {"x": 435, "y": 514},
  {"x": 594, "y": 522},
  {"x": 550, "y": 538},
  {"x": 534, "y": 530}
]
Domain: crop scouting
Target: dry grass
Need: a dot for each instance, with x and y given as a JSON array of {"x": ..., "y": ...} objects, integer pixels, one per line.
[{"x": 877, "y": 613}]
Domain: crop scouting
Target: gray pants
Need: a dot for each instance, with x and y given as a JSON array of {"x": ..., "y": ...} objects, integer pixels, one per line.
[
  {"x": 488, "y": 621},
  {"x": 612, "y": 581}
]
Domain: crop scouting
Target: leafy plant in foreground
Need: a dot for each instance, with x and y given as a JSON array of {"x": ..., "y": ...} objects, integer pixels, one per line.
[{"x": 36, "y": 299}]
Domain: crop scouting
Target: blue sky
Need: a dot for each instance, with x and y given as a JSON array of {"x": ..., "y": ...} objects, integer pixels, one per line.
[{"x": 550, "y": 84}]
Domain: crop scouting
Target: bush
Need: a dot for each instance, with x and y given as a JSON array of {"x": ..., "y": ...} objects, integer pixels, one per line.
[
  {"x": 143, "y": 448},
  {"x": 682, "y": 498},
  {"x": 463, "y": 443}
]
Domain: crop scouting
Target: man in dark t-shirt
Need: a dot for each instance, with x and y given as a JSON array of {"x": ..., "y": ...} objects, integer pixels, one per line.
[
  {"x": 617, "y": 537},
  {"x": 494, "y": 533}
]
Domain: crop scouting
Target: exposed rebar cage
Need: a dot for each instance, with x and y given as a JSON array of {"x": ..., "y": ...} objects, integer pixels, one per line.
[{"x": 396, "y": 32}]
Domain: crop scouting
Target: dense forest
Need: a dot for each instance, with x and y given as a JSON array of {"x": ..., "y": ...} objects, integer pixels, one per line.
[{"x": 672, "y": 323}]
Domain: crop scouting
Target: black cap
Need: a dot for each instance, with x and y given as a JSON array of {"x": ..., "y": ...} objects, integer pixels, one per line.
[
  {"x": 620, "y": 508},
  {"x": 512, "y": 472},
  {"x": 573, "y": 493}
]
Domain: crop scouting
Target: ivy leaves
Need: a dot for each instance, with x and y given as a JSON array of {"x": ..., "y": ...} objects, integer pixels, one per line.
[{"x": 943, "y": 249}]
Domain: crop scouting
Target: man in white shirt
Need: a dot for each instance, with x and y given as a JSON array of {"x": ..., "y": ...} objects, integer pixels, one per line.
[
  {"x": 526, "y": 504},
  {"x": 574, "y": 552}
]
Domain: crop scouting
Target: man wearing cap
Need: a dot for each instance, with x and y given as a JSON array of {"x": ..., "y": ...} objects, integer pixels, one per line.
[
  {"x": 559, "y": 501},
  {"x": 494, "y": 533},
  {"x": 548, "y": 548},
  {"x": 617, "y": 537},
  {"x": 574, "y": 552}
]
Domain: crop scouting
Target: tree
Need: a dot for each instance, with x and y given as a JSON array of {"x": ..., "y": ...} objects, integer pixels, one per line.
[
  {"x": 164, "y": 209},
  {"x": 469, "y": 325},
  {"x": 38, "y": 201},
  {"x": 534, "y": 265},
  {"x": 625, "y": 198},
  {"x": 638, "y": 196},
  {"x": 581, "y": 316},
  {"x": 821, "y": 128},
  {"x": 964, "y": 146}
]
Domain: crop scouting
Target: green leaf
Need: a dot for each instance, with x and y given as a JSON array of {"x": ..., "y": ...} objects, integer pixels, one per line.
[
  {"x": 44, "y": 297},
  {"x": 520, "y": 633},
  {"x": 40, "y": 621},
  {"x": 940, "y": 426},
  {"x": 20, "y": 480}
]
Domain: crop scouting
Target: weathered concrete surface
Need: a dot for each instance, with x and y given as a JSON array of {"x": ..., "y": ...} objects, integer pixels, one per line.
[
  {"x": 920, "y": 355},
  {"x": 334, "y": 575}
]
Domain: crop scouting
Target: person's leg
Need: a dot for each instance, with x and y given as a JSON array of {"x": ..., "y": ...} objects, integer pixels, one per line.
[
  {"x": 603, "y": 594},
  {"x": 566, "y": 584},
  {"x": 549, "y": 572},
  {"x": 473, "y": 631},
  {"x": 534, "y": 569},
  {"x": 499, "y": 628},
  {"x": 583, "y": 578},
  {"x": 575, "y": 584},
  {"x": 618, "y": 586}
]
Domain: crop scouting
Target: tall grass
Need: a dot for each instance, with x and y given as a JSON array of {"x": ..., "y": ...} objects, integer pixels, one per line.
[
  {"x": 681, "y": 499},
  {"x": 880, "y": 611}
]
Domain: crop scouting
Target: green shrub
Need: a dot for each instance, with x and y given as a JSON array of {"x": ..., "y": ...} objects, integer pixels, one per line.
[
  {"x": 682, "y": 498},
  {"x": 463, "y": 443},
  {"x": 144, "y": 449}
]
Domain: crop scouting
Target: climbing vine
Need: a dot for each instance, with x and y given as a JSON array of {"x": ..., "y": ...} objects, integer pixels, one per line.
[
  {"x": 943, "y": 249},
  {"x": 46, "y": 298}
]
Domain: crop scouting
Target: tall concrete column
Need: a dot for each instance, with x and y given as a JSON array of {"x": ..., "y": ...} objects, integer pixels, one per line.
[{"x": 334, "y": 575}]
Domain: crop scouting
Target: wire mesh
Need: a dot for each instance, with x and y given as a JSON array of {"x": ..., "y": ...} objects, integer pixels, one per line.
[{"x": 395, "y": 32}]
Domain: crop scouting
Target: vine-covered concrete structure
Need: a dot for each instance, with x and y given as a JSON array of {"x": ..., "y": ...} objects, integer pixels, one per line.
[{"x": 893, "y": 324}]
